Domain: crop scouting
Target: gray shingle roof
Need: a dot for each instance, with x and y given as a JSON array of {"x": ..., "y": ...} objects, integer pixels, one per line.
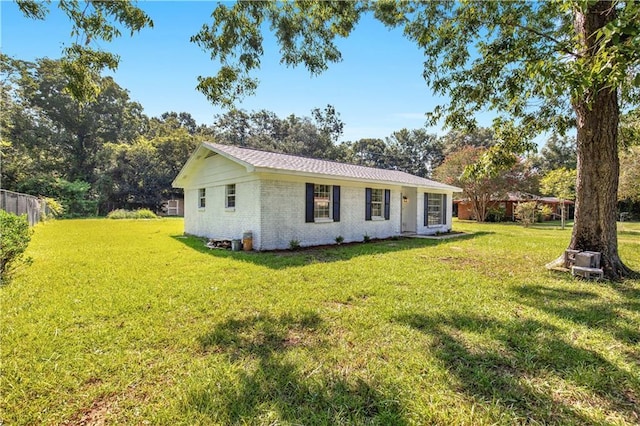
[{"x": 293, "y": 163}]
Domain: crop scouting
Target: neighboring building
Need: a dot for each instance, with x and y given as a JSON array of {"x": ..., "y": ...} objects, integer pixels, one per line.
[
  {"x": 173, "y": 207},
  {"x": 282, "y": 198},
  {"x": 463, "y": 209}
]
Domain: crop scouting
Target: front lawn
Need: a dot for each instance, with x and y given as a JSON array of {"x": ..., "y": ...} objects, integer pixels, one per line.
[{"x": 129, "y": 322}]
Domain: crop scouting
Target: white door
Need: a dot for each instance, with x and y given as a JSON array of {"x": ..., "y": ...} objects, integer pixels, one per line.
[{"x": 409, "y": 209}]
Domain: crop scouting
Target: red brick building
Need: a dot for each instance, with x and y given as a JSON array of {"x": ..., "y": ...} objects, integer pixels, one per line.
[{"x": 505, "y": 207}]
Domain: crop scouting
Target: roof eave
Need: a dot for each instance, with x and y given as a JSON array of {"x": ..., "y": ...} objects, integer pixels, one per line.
[{"x": 272, "y": 170}]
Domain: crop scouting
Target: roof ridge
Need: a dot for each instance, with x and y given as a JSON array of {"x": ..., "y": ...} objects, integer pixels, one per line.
[{"x": 314, "y": 159}]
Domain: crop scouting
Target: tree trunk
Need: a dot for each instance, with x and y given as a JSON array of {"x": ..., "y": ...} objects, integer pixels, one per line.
[{"x": 597, "y": 115}]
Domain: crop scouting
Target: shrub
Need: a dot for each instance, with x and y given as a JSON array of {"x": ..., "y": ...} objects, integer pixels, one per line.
[
  {"x": 366, "y": 238},
  {"x": 339, "y": 239},
  {"x": 294, "y": 244},
  {"x": 544, "y": 211},
  {"x": 119, "y": 214},
  {"x": 14, "y": 240},
  {"x": 527, "y": 212},
  {"x": 75, "y": 197},
  {"x": 129, "y": 214},
  {"x": 53, "y": 208},
  {"x": 144, "y": 214},
  {"x": 496, "y": 214}
]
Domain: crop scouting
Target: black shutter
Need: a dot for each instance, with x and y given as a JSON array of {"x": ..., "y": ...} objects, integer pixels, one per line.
[
  {"x": 445, "y": 208},
  {"x": 387, "y": 203},
  {"x": 367, "y": 204},
  {"x": 426, "y": 209},
  {"x": 336, "y": 203},
  {"x": 309, "y": 203}
]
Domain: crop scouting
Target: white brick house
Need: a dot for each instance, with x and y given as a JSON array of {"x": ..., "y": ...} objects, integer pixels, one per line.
[{"x": 279, "y": 198}]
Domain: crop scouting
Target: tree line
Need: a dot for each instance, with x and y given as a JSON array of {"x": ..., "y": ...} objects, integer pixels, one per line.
[{"x": 106, "y": 154}]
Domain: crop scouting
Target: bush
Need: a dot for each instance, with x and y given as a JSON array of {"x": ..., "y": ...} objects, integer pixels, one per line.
[
  {"x": 339, "y": 239},
  {"x": 119, "y": 214},
  {"x": 144, "y": 214},
  {"x": 544, "y": 212},
  {"x": 294, "y": 244},
  {"x": 53, "y": 208},
  {"x": 496, "y": 214},
  {"x": 129, "y": 214},
  {"x": 75, "y": 197},
  {"x": 14, "y": 240},
  {"x": 527, "y": 213}
]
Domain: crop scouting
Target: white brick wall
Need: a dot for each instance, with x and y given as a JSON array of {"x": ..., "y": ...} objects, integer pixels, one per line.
[
  {"x": 283, "y": 216},
  {"x": 215, "y": 221}
]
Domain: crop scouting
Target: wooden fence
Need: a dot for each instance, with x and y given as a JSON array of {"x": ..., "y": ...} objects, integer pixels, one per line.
[{"x": 19, "y": 204}]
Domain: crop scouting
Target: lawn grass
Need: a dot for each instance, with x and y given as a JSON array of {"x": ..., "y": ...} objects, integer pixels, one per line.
[{"x": 129, "y": 322}]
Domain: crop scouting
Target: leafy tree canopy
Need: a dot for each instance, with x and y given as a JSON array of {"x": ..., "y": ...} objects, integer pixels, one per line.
[
  {"x": 92, "y": 21},
  {"x": 520, "y": 58}
]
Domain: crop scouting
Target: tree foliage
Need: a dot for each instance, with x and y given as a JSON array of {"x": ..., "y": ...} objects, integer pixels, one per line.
[
  {"x": 480, "y": 189},
  {"x": 290, "y": 135},
  {"x": 558, "y": 152},
  {"x": 50, "y": 132},
  {"x": 562, "y": 184},
  {"x": 93, "y": 22},
  {"x": 629, "y": 188}
]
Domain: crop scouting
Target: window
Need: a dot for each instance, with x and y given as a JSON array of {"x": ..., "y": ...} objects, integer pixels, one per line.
[
  {"x": 322, "y": 202},
  {"x": 230, "y": 196},
  {"x": 376, "y": 202},
  {"x": 202, "y": 198},
  {"x": 435, "y": 209}
]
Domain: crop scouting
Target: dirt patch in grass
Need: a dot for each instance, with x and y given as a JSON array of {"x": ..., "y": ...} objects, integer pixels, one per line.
[
  {"x": 106, "y": 407},
  {"x": 460, "y": 262},
  {"x": 97, "y": 414}
]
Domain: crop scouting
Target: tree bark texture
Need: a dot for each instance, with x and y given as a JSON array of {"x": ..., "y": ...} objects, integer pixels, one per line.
[{"x": 597, "y": 115}]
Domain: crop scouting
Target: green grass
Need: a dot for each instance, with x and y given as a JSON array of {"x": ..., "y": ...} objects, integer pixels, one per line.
[{"x": 129, "y": 322}]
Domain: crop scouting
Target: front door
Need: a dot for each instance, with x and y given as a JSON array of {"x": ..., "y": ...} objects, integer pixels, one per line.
[{"x": 409, "y": 209}]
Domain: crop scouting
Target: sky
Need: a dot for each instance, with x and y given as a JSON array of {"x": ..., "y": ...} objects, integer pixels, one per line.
[{"x": 378, "y": 88}]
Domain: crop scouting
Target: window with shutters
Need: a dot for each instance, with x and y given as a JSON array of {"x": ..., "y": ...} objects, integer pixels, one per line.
[
  {"x": 377, "y": 204},
  {"x": 322, "y": 202},
  {"x": 435, "y": 209},
  {"x": 377, "y": 201}
]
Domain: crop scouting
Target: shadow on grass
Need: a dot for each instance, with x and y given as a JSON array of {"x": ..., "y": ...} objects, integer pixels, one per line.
[
  {"x": 270, "y": 386},
  {"x": 282, "y": 259},
  {"x": 527, "y": 369},
  {"x": 588, "y": 309}
]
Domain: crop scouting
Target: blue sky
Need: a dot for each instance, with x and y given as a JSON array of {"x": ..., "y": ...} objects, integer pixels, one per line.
[{"x": 377, "y": 88}]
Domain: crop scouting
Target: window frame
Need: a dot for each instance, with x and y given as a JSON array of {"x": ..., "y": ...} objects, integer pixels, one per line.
[
  {"x": 202, "y": 198},
  {"x": 379, "y": 204},
  {"x": 435, "y": 200},
  {"x": 230, "y": 198},
  {"x": 328, "y": 199}
]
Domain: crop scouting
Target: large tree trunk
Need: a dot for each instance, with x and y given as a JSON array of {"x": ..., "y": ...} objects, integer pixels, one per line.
[{"x": 597, "y": 114}]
